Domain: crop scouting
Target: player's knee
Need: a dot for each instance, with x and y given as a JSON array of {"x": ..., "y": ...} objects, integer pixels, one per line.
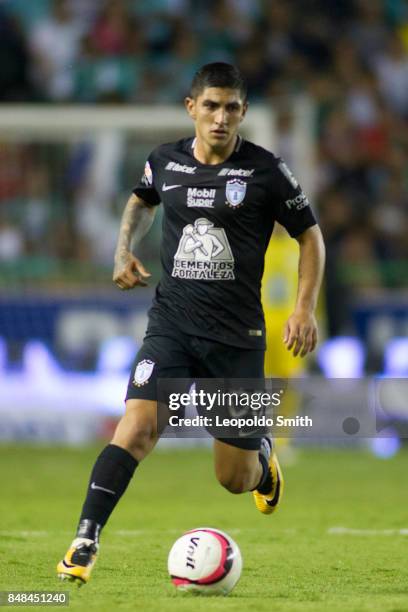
[
  {"x": 143, "y": 434},
  {"x": 137, "y": 435}
]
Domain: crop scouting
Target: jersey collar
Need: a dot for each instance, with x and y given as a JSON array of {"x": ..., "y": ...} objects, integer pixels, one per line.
[{"x": 237, "y": 145}]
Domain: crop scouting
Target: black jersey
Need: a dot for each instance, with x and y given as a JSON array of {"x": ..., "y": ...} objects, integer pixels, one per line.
[{"x": 217, "y": 223}]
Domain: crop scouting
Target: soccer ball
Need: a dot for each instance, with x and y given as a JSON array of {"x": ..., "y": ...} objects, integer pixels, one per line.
[{"x": 205, "y": 561}]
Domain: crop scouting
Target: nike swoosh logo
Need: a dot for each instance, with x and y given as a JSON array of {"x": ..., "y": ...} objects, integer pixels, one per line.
[
  {"x": 94, "y": 486},
  {"x": 245, "y": 434},
  {"x": 168, "y": 187}
]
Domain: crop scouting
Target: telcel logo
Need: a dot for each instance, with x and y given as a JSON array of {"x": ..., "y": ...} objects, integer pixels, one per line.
[{"x": 236, "y": 172}]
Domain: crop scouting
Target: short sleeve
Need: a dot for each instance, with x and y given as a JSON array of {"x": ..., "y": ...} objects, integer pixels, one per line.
[
  {"x": 145, "y": 189},
  {"x": 292, "y": 208}
]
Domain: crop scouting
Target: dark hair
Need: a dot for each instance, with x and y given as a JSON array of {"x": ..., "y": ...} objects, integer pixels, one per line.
[{"x": 218, "y": 74}]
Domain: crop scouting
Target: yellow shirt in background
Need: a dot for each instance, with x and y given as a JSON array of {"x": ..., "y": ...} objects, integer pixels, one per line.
[{"x": 279, "y": 289}]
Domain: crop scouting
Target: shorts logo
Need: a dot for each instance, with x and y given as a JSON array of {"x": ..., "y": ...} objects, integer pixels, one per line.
[
  {"x": 143, "y": 372},
  {"x": 147, "y": 178},
  {"x": 203, "y": 253},
  {"x": 235, "y": 191}
]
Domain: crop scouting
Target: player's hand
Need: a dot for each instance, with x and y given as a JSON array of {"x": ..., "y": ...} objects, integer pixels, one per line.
[
  {"x": 129, "y": 272},
  {"x": 301, "y": 332}
]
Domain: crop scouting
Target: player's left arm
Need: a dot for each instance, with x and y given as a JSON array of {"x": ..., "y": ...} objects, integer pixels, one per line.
[{"x": 300, "y": 332}]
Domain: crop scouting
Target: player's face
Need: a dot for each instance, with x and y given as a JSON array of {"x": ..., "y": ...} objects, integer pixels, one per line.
[{"x": 217, "y": 114}]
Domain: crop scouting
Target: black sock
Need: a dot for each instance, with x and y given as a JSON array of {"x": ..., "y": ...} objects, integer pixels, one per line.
[
  {"x": 88, "y": 529},
  {"x": 110, "y": 477},
  {"x": 265, "y": 484}
]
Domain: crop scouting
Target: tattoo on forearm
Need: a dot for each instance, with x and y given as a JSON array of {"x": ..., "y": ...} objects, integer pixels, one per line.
[
  {"x": 127, "y": 226},
  {"x": 136, "y": 220}
]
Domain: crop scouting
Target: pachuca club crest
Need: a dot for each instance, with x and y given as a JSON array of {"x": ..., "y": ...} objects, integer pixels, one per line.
[{"x": 235, "y": 191}]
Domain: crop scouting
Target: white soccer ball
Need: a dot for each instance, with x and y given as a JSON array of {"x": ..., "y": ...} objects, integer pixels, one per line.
[{"x": 205, "y": 561}]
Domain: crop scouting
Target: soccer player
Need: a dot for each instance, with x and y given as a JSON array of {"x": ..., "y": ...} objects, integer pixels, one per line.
[{"x": 221, "y": 196}]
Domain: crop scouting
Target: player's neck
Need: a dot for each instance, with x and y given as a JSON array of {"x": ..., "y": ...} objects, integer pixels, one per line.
[{"x": 206, "y": 154}]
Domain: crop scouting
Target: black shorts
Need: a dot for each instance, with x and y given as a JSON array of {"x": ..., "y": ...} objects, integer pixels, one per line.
[{"x": 185, "y": 356}]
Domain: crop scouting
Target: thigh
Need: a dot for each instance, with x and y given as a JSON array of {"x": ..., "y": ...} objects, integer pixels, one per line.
[{"x": 223, "y": 361}]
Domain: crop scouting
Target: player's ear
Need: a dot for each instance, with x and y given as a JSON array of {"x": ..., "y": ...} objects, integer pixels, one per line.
[
  {"x": 244, "y": 109},
  {"x": 189, "y": 103}
]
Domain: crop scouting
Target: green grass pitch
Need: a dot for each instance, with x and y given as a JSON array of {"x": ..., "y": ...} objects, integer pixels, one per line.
[{"x": 293, "y": 561}]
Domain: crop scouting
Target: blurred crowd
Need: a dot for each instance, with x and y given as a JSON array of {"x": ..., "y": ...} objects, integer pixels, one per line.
[{"x": 350, "y": 57}]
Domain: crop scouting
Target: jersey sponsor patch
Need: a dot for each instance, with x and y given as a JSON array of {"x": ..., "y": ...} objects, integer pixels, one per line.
[
  {"x": 200, "y": 198},
  {"x": 175, "y": 167},
  {"x": 298, "y": 203},
  {"x": 143, "y": 372},
  {"x": 203, "y": 253},
  {"x": 288, "y": 174},
  {"x": 147, "y": 178},
  {"x": 236, "y": 172},
  {"x": 235, "y": 191}
]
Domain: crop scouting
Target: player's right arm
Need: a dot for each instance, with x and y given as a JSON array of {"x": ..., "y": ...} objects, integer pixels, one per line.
[{"x": 136, "y": 221}]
